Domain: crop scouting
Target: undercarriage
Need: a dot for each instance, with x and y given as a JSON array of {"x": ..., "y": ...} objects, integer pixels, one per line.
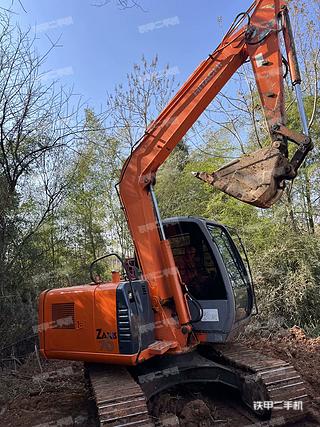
[{"x": 271, "y": 388}]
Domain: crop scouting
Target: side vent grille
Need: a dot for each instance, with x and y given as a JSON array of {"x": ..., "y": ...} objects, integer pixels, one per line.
[
  {"x": 63, "y": 316},
  {"x": 124, "y": 329},
  {"x": 144, "y": 289}
]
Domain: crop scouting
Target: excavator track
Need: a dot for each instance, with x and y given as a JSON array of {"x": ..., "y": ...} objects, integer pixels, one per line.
[
  {"x": 272, "y": 384},
  {"x": 270, "y": 387},
  {"x": 119, "y": 399}
]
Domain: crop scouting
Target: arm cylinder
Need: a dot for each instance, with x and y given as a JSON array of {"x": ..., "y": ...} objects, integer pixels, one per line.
[
  {"x": 294, "y": 68},
  {"x": 290, "y": 49}
]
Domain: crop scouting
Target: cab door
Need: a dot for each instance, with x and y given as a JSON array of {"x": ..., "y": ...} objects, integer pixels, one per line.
[
  {"x": 238, "y": 274},
  {"x": 219, "y": 288}
]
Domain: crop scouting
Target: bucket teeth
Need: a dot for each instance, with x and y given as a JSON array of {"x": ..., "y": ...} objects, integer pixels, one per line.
[{"x": 257, "y": 178}]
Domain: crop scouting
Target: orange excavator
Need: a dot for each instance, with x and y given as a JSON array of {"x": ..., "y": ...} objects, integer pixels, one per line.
[{"x": 187, "y": 291}]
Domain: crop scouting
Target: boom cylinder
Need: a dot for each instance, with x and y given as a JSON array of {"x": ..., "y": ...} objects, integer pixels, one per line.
[
  {"x": 157, "y": 212},
  {"x": 171, "y": 270},
  {"x": 175, "y": 286}
]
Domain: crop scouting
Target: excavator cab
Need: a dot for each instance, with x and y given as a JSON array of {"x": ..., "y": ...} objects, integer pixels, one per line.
[{"x": 220, "y": 292}]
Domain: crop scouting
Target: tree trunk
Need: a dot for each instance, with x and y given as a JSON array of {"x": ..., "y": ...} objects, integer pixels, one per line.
[
  {"x": 289, "y": 207},
  {"x": 309, "y": 212}
]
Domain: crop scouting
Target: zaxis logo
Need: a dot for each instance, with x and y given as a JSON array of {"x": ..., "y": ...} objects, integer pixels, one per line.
[{"x": 102, "y": 335}]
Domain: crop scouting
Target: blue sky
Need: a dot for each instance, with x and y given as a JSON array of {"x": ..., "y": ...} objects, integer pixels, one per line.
[{"x": 101, "y": 44}]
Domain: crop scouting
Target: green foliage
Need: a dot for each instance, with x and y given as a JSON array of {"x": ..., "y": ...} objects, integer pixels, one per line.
[
  {"x": 179, "y": 192},
  {"x": 287, "y": 276},
  {"x": 89, "y": 211}
]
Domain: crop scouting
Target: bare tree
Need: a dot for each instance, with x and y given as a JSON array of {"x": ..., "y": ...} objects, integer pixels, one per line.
[
  {"x": 131, "y": 108},
  {"x": 136, "y": 103},
  {"x": 122, "y": 4},
  {"x": 35, "y": 122}
]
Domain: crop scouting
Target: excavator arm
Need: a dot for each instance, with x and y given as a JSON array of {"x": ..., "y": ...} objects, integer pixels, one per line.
[{"x": 257, "y": 178}]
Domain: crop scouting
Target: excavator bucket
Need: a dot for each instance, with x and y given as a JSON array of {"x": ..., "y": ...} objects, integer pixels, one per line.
[{"x": 257, "y": 178}]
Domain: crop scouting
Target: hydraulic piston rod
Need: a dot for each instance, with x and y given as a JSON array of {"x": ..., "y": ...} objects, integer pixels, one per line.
[{"x": 294, "y": 68}]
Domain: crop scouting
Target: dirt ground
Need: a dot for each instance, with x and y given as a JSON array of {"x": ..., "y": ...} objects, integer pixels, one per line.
[
  {"x": 302, "y": 352},
  {"x": 59, "y": 396}
]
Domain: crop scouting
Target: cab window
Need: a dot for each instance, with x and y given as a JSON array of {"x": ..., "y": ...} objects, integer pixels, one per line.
[
  {"x": 236, "y": 270},
  {"x": 195, "y": 261}
]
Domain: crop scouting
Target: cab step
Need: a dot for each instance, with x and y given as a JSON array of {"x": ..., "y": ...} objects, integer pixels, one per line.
[{"x": 161, "y": 347}]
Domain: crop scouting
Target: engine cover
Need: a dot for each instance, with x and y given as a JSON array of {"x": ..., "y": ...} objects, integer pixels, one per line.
[{"x": 108, "y": 322}]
